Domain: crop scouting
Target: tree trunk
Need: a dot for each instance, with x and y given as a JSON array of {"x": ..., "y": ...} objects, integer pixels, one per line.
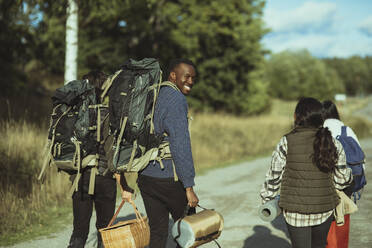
[{"x": 71, "y": 41}]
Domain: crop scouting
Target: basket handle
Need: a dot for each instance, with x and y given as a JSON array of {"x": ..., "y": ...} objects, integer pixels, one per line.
[
  {"x": 116, "y": 213},
  {"x": 138, "y": 215}
]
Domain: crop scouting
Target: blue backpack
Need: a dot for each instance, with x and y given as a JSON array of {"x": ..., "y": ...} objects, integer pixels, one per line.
[{"x": 355, "y": 160}]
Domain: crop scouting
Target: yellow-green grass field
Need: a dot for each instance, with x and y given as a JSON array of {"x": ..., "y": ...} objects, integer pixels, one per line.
[{"x": 29, "y": 209}]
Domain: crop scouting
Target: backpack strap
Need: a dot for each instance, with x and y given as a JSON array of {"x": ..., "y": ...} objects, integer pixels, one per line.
[
  {"x": 92, "y": 179},
  {"x": 94, "y": 170},
  {"x": 49, "y": 145},
  {"x": 82, "y": 163},
  {"x": 170, "y": 84},
  {"x": 118, "y": 141},
  {"x": 189, "y": 120},
  {"x": 343, "y": 131},
  {"x": 156, "y": 89},
  {"x": 165, "y": 153},
  {"x": 47, "y": 158},
  {"x": 130, "y": 163},
  {"x": 107, "y": 84},
  {"x": 77, "y": 161}
]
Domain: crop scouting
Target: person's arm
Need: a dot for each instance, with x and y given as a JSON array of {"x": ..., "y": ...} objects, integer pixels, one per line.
[
  {"x": 342, "y": 173},
  {"x": 126, "y": 191},
  {"x": 270, "y": 188},
  {"x": 176, "y": 126}
]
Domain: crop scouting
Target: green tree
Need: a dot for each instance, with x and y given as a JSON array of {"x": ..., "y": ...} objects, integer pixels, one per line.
[
  {"x": 16, "y": 44},
  {"x": 293, "y": 74},
  {"x": 368, "y": 60},
  {"x": 223, "y": 38},
  {"x": 355, "y": 73}
]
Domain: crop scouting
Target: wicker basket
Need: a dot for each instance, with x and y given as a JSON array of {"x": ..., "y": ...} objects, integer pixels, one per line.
[{"x": 130, "y": 233}]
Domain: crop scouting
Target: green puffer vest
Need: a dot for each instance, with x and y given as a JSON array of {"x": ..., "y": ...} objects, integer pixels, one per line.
[{"x": 304, "y": 188}]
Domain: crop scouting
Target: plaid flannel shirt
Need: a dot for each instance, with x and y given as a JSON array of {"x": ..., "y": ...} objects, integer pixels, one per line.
[{"x": 271, "y": 188}]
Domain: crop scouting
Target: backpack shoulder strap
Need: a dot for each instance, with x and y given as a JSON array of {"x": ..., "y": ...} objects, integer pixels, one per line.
[
  {"x": 343, "y": 131},
  {"x": 107, "y": 84},
  {"x": 170, "y": 84}
]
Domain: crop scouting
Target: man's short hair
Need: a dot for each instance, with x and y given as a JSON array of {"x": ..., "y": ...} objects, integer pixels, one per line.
[
  {"x": 96, "y": 78},
  {"x": 175, "y": 62}
]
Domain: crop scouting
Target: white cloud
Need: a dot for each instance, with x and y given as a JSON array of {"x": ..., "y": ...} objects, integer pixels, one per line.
[
  {"x": 346, "y": 45},
  {"x": 320, "y": 27},
  {"x": 321, "y": 45},
  {"x": 317, "y": 44},
  {"x": 311, "y": 16},
  {"x": 366, "y": 26}
]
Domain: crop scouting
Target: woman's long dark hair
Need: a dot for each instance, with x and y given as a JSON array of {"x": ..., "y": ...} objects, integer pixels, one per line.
[
  {"x": 330, "y": 110},
  {"x": 309, "y": 113}
]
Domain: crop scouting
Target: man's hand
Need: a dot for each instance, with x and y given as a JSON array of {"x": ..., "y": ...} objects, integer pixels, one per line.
[
  {"x": 191, "y": 197},
  {"x": 126, "y": 195}
]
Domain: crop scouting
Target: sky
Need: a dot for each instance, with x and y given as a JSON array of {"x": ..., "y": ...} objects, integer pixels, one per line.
[{"x": 333, "y": 28}]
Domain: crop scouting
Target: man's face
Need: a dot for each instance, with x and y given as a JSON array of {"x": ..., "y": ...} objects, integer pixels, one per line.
[{"x": 183, "y": 77}]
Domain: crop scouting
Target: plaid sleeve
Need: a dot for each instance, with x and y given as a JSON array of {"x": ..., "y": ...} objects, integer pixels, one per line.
[
  {"x": 271, "y": 186},
  {"x": 342, "y": 174}
]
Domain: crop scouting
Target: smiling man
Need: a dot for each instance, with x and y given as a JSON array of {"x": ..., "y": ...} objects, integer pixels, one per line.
[
  {"x": 167, "y": 187},
  {"x": 183, "y": 76}
]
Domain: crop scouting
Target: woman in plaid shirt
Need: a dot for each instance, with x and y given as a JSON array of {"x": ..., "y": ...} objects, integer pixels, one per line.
[{"x": 307, "y": 167}]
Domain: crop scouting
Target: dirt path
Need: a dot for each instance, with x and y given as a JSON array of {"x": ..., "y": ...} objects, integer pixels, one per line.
[{"x": 233, "y": 191}]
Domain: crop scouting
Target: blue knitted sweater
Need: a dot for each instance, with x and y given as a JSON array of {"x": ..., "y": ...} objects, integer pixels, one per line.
[{"x": 171, "y": 117}]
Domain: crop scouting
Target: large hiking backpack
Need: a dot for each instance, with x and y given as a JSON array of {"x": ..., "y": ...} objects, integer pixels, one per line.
[
  {"x": 72, "y": 135},
  {"x": 355, "y": 160},
  {"x": 132, "y": 98}
]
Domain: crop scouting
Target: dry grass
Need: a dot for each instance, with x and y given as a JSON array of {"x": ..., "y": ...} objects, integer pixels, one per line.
[
  {"x": 221, "y": 139},
  {"x": 25, "y": 201}
]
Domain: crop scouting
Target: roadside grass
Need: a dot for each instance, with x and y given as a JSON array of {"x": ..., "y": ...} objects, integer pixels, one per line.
[
  {"x": 219, "y": 140},
  {"x": 29, "y": 209},
  {"x": 51, "y": 220}
]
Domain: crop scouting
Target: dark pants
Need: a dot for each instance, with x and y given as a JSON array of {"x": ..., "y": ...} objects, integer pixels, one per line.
[
  {"x": 310, "y": 236},
  {"x": 104, "y": 203},
  {"x": 161, "y": 196}
]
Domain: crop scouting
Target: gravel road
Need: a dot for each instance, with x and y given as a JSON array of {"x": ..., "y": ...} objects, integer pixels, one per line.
[{"x": 233, "y": 191}]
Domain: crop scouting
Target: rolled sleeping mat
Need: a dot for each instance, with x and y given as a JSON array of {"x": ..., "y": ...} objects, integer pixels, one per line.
[
  {"x": 197, "y": 229},
  {"x": 270, "y": 210}
]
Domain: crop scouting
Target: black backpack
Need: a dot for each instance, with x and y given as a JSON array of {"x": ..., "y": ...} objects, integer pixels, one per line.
[
  {"x": 132, "y": 97},
  {"x": 72, "y": 134}
]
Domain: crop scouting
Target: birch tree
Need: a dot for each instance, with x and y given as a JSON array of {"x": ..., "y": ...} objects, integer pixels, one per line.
[{"x": 71, "y": 41}]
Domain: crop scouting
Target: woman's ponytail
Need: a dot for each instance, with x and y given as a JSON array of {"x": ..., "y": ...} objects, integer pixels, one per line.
[{"x": 325, "y": 152}]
